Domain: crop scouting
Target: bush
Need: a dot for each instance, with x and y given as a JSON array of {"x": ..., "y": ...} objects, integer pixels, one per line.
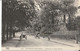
[{"x": 72, "y": 25}]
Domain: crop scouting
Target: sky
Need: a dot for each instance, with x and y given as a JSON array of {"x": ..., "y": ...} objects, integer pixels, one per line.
[{"x": 77, "y": 3}]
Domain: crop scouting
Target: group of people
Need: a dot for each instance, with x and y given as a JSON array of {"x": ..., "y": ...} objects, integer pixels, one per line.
[
  {"x": 36, "y": 36},
  {"x": 25, "y": 36}
]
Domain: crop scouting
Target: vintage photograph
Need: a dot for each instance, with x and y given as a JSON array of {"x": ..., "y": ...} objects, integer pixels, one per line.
[{"x": 41, "y": 23}]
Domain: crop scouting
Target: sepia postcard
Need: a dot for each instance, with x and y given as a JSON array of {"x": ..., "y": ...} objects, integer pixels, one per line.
[{"x": 40, "y": 25}]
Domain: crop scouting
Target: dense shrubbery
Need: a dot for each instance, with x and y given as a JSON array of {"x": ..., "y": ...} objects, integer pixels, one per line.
[
  {"x": 71, "y": 25},
  {"x": 74, "y": 24}
]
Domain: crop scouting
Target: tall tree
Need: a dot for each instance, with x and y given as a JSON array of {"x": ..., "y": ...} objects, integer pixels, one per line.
[
  {"x": 16, "y": 13},
  {"x": 69, "y": 11},
  {"x": 68, "y": 8},
  {"x": 49, "y": 16}
]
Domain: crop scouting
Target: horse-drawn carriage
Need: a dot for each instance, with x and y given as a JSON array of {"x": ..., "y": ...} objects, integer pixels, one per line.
[{"x": 23, "y": 36}]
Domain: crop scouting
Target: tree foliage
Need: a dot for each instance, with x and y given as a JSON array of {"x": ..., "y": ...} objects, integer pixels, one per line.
[
  {"x": 49, "y": 15},
  {"x": 68, "y": 8},
  {"x": 18, "y": 13},
  {"x": 52, "y": 10}
]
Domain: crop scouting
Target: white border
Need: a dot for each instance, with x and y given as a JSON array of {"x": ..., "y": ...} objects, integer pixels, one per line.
[{"x": 0, "y": 21}]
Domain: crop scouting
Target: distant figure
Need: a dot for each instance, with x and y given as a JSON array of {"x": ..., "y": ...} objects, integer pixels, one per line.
[
  {"x": 23, "y": 36},
  {"x": 38, "y": 35},
  {"x": 48, "y": 37}
]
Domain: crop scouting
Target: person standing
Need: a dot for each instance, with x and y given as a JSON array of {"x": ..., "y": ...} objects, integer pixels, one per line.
[{"x": 37, "y": 35}]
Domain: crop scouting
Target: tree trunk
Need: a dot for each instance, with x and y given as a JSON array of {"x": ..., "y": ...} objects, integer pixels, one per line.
[
  {"x": 3, "y": 32},
  {"x": 7, "y": 31},
  {"x": 69, "y": 18},
  {"x": 13, "y": 33},
  {"x": 76, "y": 38},
  {"x": 64, "y": 19},
  {"x": 10, "y": 35}
]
